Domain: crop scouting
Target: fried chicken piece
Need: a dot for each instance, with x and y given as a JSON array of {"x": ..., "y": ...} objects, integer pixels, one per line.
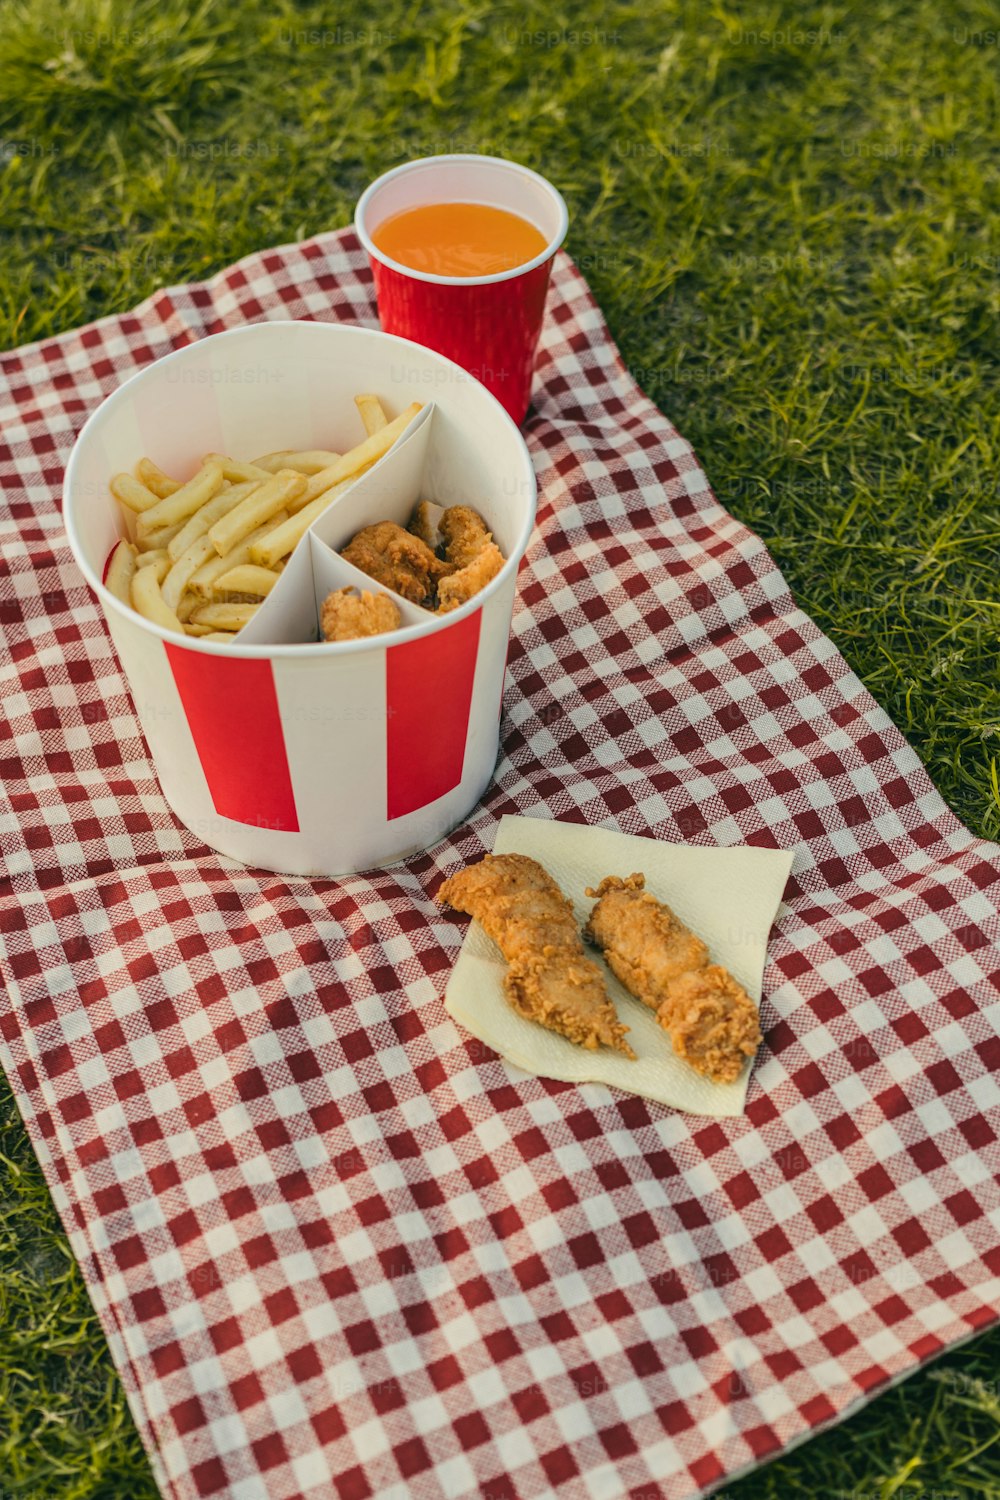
[
  {"x": 710, "y": 1019},
  {"x": 550, "y": 979},
  {"x": 397, "y": 560},
  {"x": 426, "y": 522},
  {"x": 348, "y": 615},
  {"x": 474, "y": 553},
  {"x": 458, "y": 587},
  {"x": 460, "y": 537},
  {"x": 464, "y": 534}
]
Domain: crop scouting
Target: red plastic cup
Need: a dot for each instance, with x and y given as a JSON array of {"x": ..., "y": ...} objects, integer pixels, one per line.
[{"x": 487, "y": 324}]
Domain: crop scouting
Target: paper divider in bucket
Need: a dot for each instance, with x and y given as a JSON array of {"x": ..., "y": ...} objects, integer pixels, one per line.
[{"x": 387, "y": 492}]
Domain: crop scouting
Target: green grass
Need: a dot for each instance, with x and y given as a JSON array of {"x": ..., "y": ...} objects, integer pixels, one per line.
[{"x": 795, "y": 241}]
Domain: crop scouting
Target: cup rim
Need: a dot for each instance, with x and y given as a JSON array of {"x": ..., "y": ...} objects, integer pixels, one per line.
[
  {"x": 433, "y": 278},
  {"x": 310, "y": 649}
]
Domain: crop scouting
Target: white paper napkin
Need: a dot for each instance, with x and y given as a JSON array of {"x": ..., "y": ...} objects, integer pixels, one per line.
[{"x": 728, "y": 896}]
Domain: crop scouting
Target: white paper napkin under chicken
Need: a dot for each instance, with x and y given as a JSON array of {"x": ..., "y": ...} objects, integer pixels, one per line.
[{"x": 728, "y": 896}]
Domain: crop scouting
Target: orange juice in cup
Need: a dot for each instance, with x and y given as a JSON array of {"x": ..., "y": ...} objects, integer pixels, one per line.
[{"x": 459, "y": 239}]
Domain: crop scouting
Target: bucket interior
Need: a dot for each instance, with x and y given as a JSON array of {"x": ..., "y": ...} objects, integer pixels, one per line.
[{"x": 292, "y": 386}]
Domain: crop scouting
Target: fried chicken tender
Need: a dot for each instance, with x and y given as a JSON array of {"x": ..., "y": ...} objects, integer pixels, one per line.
[
  {"x": 464, "y": 534},
  {"x": 348, "y": 615},
  {"x": 398, "y": 560},
  {"x": 708, "y": 1016},
  {"x": 475, "y": 575},
  {"x": 471, "y": 548},
  {"x": 710, "y": 1019},
  {"x": 550, "y": 979}
]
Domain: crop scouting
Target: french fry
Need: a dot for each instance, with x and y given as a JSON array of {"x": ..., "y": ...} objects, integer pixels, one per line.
[
  {"x": 370, "y": 451},
  {"x": 309, "y": 461},
  {"x": 189, "y": 562},
  {"x": 183, "y": 502},
  {"x": 225, "y": 616},
  {"x": 159, "y": 540},
  {"x": 372, "y": 413},
  {"x": 246, "y": 579},
  {"x": 233, "y": 470},
  {"x": 121, "y": 571},
  {"x": 189, "y": 603},
  {"x": 219, "y": 635},
  {"x": 153, "y": 477},
  {"x": 160, "y": 560},
  {"x": 259, "y": 506},
  {"x": 201, "y": 583},
  {"x": 227, "y": 499},
  {"x": 272, "y": 462},
  {"x": 303, "y": 500},
  {"x": 147, "y": 600},
  {"x": 281, "y": 539},
  {"x": 128, "y": 491},
  {"x": 190, "y": 629}
]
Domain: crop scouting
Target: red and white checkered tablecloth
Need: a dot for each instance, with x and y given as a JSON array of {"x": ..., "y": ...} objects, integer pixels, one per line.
[{"x": 338, "y": 1249}]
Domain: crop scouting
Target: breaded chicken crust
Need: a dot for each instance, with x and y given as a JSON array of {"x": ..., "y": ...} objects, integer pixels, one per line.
[
  {"x": 349, "y": 615},
  {"x": 550, "y": 979},
  {"x": 398, "y": 560},
  {"x": 458, "y": 587},
  {"x": 464, "y": 533},
  {"x": 710, "y": 1019}
]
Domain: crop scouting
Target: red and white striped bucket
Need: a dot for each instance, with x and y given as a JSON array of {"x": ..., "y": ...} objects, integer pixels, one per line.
[{"x": 307, "y": 757}]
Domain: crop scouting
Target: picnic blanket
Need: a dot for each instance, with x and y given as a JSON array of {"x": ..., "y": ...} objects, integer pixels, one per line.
[{"x": 340, "y": 1248}]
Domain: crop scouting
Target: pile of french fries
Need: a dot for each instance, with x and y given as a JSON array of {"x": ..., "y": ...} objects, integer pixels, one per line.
[{"x": 201, "y": 556}]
